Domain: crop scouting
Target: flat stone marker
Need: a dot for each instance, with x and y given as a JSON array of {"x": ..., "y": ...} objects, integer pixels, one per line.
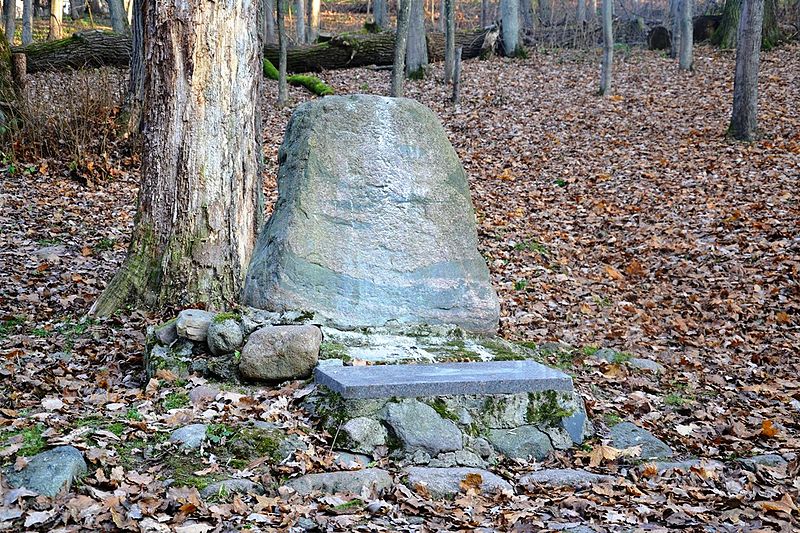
[{"x": 442, "y": 379}]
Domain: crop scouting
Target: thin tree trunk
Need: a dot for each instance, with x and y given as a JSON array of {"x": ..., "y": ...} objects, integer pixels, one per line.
[
  {"x": 400, "y": 45},
  {"x": 417, "y": 53},
  {"x": 268, "y": 8},
  {"x": 9, "y": 16},
  {"x": 314, "y": 22},
  {"x": 675, "y": 25},
  {"x": 580, "y": 17},
  {"x": 449, "y": 39},
  {"x": 509, "y": 16},
  {"x": 56, "y": 19},
  {"x": 592, "y": 9},
  {"x": 119, "y": 19},
  {"x": 380, "y": 13},
  {"x": 300, "y": 20},
  {"x": 526, "y": 14},
  {"x": 283, "y": 92},
  {"x": 200, "y": 199},
  {"x": 132, "y": 108},
  {"x": 485, "y": 16},
  {"x": 744, "y": 117},
  {"x": 442, "y": 15},
  {"x": 456, "y": 98},
  {"x": 27, "y": 22},
  {"x": 608, "y": 48},
  {"x": 687, "y": 35}
]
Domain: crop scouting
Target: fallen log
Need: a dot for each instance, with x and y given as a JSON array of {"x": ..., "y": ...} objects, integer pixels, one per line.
[{"x": 91, "y": 49}]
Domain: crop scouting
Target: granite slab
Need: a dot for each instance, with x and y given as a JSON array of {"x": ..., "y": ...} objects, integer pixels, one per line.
[{"x": 442, "y": 379}]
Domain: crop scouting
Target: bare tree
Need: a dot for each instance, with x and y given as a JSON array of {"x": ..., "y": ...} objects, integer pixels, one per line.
[
  {"x": 485, "y": 15},
  {"x": 56, "y": 19},
  {"x": 608, "y": 48},
  {"x": 381, "y": 13},
  {"x": 526, "y": 14},
  {"x": 400, "y": 45},
  {"x": 131, "y": 115},
  {"x": 417, "y": 51},
  {"x": 200, "y": 200},
  {"x": 449, "y": 39},
  {"x": 300, "y": 20},
  {"x": 268, "y": 16},
  {"x": 9, "y": 19},
  {"x": 27, "y": 22},
  {"x": 509, "y": 16},
  {"x": 686, "y": 60},
  {"x": 675, "y": 24},
  {"x": 580, "y": 16},
  {"x": 744, "y": 117},
  {"x": 314, "y": 21},
  {"x": 283, "y": 92},
  {"x": 119, "y": 18}
]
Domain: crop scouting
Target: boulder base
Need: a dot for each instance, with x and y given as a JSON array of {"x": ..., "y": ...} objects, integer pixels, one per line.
[{"x": 374, "y": 223}]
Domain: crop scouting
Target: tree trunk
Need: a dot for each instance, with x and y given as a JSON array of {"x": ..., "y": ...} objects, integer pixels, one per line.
[
  {"x": 580, "y": 16},
  {"x": 9, "y": 16},
  {"x": 27, "y": 22},
  {"x": 687, "y": 35},
  {"x": 300, "y": 20},
  {"x": 8, "y": 92},
  {"x": 76, "y": 10},
  {"x": 314, "y": 22},
  {"x": 526, "y": 15},
  {"x": 744, "y": 117},
  {"x": 726, "y": 34},
  {"x": 283, "y": 91},
  {"x": 485, "y": 15},
  {"x": 608, "y": 48},
  {"x": 56, "y": 18},
  {"x": 456, "y": 98},
  {"x": 675, "y": 25},
  {"x": 400, "y": 47},
  {"x": 509, "y": 16},
  {"x": 132, "y": 108},
  {"x": 417, "y": 52},
  {"x": 449, "y": 39},
  {"x": 381, "y": 14},
  {"x": 119, "y": 19},
  {"x": 442, "y": 15},
  {"x": 268, "y": 14},
  {"x": 200, "y": 200}
]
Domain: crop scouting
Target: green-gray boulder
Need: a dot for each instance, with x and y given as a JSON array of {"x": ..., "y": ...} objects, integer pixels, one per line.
[
  {"x": 50, "y": 472},
  {"x": 374, "y": 223}
]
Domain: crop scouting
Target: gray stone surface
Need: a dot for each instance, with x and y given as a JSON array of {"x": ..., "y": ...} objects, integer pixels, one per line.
[
  {"x": 419, "y": 427},
  {"x": 374, "y": 222},
  {"x": 646, "y": 364},
  {"x": 224, "y": 336},
  {"x": 627, "y": 434},
  {"x": 193, "y": 324},
  {"x": 363, "y": 434},
  {"x": 457, "y": 458},
  {"x": 446, "y": 482},
  {"x": 347, "y": 460},
  {"x": 563, "y": 477},
  {"x": 351, "y": 481},
  {"x": 277, "y": 353},
  {"x": 687, "y": 464},
  {"x": 167, "y": 333},
  {"x": 495, "y": 377},
  {"x": 770, "y": 459},
  {"x": 49, "y": 472},
  {"x": 524, "y": 442},
  {"x": 227, "y": 487},
  {"x": 189, "y": 437}
]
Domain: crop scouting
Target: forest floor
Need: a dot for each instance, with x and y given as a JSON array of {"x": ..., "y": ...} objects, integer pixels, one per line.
[{"x": 628, "y": 222}]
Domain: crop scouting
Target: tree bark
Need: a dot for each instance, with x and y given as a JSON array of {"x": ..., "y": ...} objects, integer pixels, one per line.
[
  {"x": 485, "y": 15},
  {"x": 400, "y": 47},
  {"x": 132, "y": 108},
  {"x": 314, "y": 21},
  {"x": 27, "y": 22},
  {"x": 744, "y": 116},
  {"x": 456, "y": 98},
  {"x": 9, "y": 16},
  {"x": 119, "y": 19},
  {"x": 687, "y": 35},
  {"x": 417, "y": 51},
  {"x": 56, "y": 18},
  {"x": 509, "y": 16},
  {"x": 200, "y": 199},
  {"x": 300, "y": 21},
  {"x": 675, "y": 26},
  {"x": 268, "y": 16},
  {"x": 580, "y": 16},
  {"x": 526, "y": 15},
  {"x": 8, "y": 92},
  {"x": 449, "y": 40},
  {"x": 283, "y": 91},
  {"x": 726, "y": 34},
  {"x": 608, "y": 48},
  {"x": 381, "y": 13}
]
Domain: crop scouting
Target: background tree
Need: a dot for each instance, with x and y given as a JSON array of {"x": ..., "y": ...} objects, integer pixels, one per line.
[
  {"x": 27, "y": 22},
  {"x": 313, "y": 24},
  {"x": 608, "y": 48},
  {"x": 56, "y": 18},
  {"x": 131, "y": 115},
  {"x": 417, "y": 49},
  {"x": 380, "y": 12},
  {"x": 744, "y": 116},
  {"x": 580, "y": 16},
  {"x": 283, "y": 44},
  {"x": 509, "y": 16},
  {"x": 449, "y": 39},
  {"x": 268, "y": 17},
  {"x": 300, "y": 20},
  {"x": 9, "y": 19},
  {"x": 119, "y": 17},
  {"x": 400, "y": 47},
  {"x": 675, "y": 27},
  {"x": 687, "y": 35},
  {"x": 726, "y": 34},
  {"x": 200, "y": 199}
]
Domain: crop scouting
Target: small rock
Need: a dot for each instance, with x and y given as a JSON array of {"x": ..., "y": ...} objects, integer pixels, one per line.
[
  {"x": 363, "y": 434},
  {"x": 419, "y": 427},
  {"x": 687, "y": 465},
  {"x": 349, "y": 460},
  {"x": 289, "y": 446},
  {"x": 352, "y": 481},
  {"x": 223, "y": 367},
  {"x": 49, "y": 472},
  {"x": 446, "y": 482},
  {"x": 769, "y": 459},
  {"x": 167, "y": 333},
  {"x": 563, "y": 477},
  {"x": 231, "y": 486},
  {"x": 627, "y": 434},
  {"x": 607, "y": 354},
  {"x": 646, "y": 364},
  {"x": 189, "y": 437},
  {"x": 224, "y": 336},
  {"x": 202, "y": 394},
  {"x": 330, "y": 363},
  {"x": 193, "y": 324},
  {"x": 523, "y": 442},
  {"x": 482, "y": 447},
  {"x": 278, "y": 353},
  {"x": 458, "y": 458}
]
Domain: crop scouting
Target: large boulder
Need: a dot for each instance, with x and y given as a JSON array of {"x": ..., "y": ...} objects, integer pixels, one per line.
[
  {"x": 49, "y": 472},
  {"x": 374, "y": 223}
]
